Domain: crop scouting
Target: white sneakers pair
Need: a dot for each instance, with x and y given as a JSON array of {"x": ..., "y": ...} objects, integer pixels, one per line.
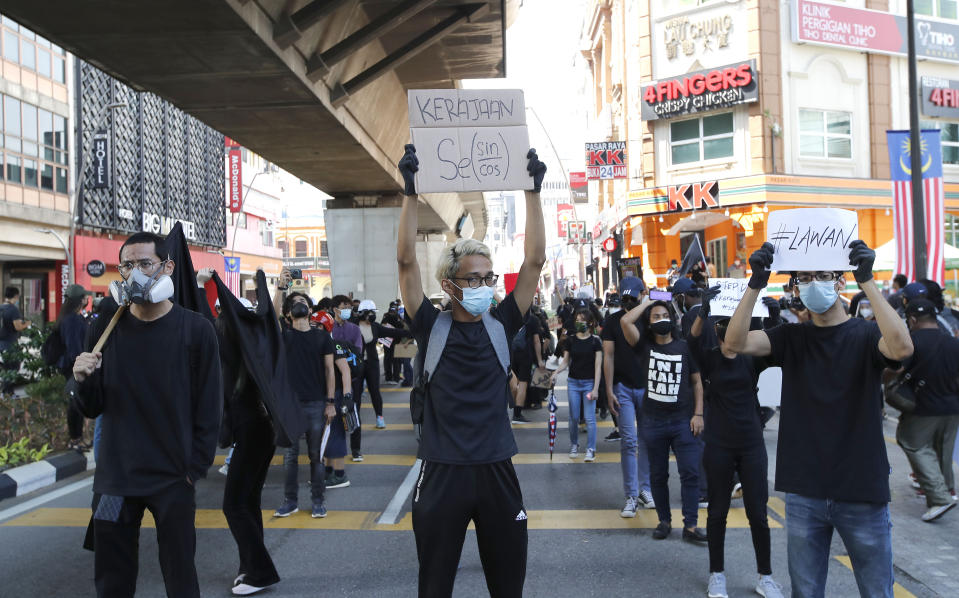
[
  {"x": 766, "y": 586},
  {"x": 590, "y": 454}
]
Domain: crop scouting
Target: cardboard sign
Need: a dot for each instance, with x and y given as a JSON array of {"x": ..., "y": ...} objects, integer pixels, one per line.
[
  {"x": 812, "y": 238},
  {"x": 731, "y": 291},
  {"x": 469, "y": 140}
]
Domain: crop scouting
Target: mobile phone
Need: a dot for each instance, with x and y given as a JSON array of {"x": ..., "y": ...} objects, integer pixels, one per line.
[
  {"x": 296, "y": 274},
  {"x": 660, "y": 295}
]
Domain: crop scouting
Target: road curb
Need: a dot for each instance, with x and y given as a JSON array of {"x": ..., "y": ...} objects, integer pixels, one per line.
[{"x": 46, "y": 472}]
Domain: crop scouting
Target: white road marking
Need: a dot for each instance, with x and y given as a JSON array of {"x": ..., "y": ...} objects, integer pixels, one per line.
[
  {"x": 395, "y": 507},
  {"x": 44, "y": 498}
]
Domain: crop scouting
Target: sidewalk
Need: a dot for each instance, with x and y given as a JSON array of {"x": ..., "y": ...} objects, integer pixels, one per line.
[{"x": 24, "y": 479}]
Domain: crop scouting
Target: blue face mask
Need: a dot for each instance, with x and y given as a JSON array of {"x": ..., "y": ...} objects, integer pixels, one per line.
[
  {"x": 476, "y": 301},
  {"x": 819, "y": 295},
  {"x": 345, "y": 314},
  {"x": 401, "y": 311}
]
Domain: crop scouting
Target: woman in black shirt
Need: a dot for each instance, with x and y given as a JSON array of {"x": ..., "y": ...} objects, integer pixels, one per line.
[{"x": 583, "y": 354}]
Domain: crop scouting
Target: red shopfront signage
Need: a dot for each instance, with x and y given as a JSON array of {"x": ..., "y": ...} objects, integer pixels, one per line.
[
  {"x": 579, "y": 187},
  {"x": 235, "y": 166},
  {"x": 940, "y": 97},
  {"x": 564, "y": 213},
  {"x": 693, "y": 196},
  {"x": 711, "y": 89},
  {"x": 605, "y": 160}
]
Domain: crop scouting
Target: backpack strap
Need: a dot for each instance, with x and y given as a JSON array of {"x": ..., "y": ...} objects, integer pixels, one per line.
[
  {"x": 497, "y": 334},
  {"x": 438, "y": 335}
]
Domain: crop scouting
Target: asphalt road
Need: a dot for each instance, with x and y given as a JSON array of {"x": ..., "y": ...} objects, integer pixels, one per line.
[{"x": 578, "y": 544}]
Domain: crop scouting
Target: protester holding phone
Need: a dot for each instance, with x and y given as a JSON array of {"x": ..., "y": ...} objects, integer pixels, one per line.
[{"x": 583, "y": 355}]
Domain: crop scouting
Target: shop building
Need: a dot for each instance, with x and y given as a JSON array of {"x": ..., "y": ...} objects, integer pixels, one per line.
[
  {"x": 730, "y": 110},
  {"x": 34, "y": 167}
]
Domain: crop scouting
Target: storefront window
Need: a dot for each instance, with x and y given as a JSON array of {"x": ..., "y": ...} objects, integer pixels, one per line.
[
  {"x": 698, "y": 139},
  {"x": 949, "y": 135},
  {"x": 284, "y": 246},
  {"x": 945, "y": 9},
  {"x": 39, "y": 137},
  {"x": 301, "y": 248},
  {"x": 825, "y": 134}
]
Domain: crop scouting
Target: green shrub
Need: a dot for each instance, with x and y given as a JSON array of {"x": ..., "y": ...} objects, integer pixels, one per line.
[{"x": 20, "y": 453}]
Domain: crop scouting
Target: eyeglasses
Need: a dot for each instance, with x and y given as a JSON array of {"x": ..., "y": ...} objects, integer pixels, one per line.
[
  {"x": 475, "y": 281},
  {"x": 145, "y": 265},
  {"x": 807, "y": 277}
]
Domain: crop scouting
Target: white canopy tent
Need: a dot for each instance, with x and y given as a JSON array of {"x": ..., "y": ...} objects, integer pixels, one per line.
[{"x": 886, "y": 256}]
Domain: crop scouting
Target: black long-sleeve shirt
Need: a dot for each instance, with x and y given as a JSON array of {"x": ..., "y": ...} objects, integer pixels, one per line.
[
  {"x": 160, "y": 397},
  {"x": 380, "y": 331}
]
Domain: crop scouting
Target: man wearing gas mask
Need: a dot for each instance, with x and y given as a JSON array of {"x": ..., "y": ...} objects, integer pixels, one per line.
[
  {"x": 158, "y": 388},
  {"x": 831, "y": 459}
]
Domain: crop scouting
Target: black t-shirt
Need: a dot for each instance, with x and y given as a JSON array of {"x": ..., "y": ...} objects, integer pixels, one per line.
[
  {"x": 831, "y": 441},
  {"x": 582, "y": 356},
  {"x": 669, "y": 389},
  {"x": 935, "y": 361},
  {"x": 9, "y": 313},
  {"x": 305, "y": 354},
  {"x": 732, "y": 403},
  {"x": 465, "y": 418},
  {"x": 628, "y": 369}
]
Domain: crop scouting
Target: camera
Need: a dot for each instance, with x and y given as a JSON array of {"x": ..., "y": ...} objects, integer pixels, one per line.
[
  {"x": 296, "y": 274},
  {"x": 788, "y": 302}
]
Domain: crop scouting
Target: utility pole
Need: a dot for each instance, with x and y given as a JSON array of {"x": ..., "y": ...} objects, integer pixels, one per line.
[{"x": 915, "y": 151}]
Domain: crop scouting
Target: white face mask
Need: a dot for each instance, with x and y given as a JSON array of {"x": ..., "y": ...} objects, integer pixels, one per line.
[{"x": 613, "y": 310}]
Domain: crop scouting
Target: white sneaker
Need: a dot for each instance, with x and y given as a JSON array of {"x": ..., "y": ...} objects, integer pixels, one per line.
[
  {"x": 574, "y": 451},
  {"x": 590, "y": 456},
  {"x": 224, "y": 469},
  {"x": 717, "y": 586},
  {"x": 244, "y": 589},
  {"x": 737, "y": 491},
  {"x": 629, "y": 510},
  {"x": 646, "y": 497},
  {"x": 768, "y": 587},
  {"x": 937, "y": 511}
]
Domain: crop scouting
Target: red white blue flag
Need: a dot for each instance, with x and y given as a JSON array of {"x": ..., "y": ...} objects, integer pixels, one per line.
[
  {"x": 900, "y": 168},
  {"x": 231, "y": 267}
]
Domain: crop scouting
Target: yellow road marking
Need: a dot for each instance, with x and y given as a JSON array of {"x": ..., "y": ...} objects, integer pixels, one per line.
[
  {"x": 897, "y": 590},
  {"x": 560, "y": 457},
  {"x": 777, "y": 505},
  {"x": 583, "y": 519}
]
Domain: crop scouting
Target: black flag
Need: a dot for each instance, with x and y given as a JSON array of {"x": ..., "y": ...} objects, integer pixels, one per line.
[
  {"x": 256, "y": 340},
  {"x": 694, "y": 256},
  {"x": 186, "y": 293}
]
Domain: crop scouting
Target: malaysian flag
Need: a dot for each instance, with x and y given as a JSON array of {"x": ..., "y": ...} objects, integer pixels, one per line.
[
  {"x": 933, "y": 203},
  {"x": 231, "y": 267}
]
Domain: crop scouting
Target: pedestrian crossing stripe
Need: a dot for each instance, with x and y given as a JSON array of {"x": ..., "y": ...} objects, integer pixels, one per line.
[
  {"x": 570, "y": 519},
  {"x": 559, "y": 458}
]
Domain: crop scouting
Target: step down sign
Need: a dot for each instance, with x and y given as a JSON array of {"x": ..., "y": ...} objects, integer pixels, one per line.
[{"x": 469, "y": 139}]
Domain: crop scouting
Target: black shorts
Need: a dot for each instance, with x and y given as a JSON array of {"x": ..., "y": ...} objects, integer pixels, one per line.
[{"x": 522, "y": 366}]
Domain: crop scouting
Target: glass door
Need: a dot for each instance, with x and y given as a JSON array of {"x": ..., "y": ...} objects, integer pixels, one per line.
[{"x": 716, "y": 250}]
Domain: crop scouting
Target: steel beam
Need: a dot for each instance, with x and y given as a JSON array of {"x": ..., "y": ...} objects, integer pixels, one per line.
[
  {"x": 290, "y": 27},
  {"x": 341, "y": 91}
]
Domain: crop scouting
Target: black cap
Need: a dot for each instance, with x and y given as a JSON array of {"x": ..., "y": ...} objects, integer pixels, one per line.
[{"x": 921, "y": 308}]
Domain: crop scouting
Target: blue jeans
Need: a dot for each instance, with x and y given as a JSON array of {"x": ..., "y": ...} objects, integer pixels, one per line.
[
  {"x": 577, "y": 390},
  {"x": 633, "y": 457},
  {"x": 660, "y": 435},
  {"x": 866, "y": 531}
]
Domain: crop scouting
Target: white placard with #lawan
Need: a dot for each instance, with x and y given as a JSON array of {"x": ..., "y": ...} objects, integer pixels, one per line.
[
  {"x": 469, "y": 140},
  {"x": 812, "y": 239},
  {"x": 731, "y": 291}
]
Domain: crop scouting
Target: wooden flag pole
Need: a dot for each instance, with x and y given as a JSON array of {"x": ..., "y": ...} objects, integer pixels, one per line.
[{"x": 106, "y": 333}]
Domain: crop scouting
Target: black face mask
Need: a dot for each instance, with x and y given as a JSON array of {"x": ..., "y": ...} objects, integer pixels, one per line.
[
  {"x": 371, "y": 317},
  {"x": 662, "y": 327},
  {"x": 299, "y": 310}
]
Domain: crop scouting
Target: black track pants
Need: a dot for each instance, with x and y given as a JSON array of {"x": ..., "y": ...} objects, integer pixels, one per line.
[{"x": 445, "y": 499}]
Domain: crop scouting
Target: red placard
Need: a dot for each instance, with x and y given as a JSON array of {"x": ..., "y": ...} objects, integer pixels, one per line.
[
  {"x": 235, "y": 177},
  {"x": 509, "y": 281},
  {"x": 564, "y": 213}
]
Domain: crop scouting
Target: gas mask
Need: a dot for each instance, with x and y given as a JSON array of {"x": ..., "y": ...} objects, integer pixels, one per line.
[
  {"x": 140, "y": 288},
  {"x": 299, "y": 310}
]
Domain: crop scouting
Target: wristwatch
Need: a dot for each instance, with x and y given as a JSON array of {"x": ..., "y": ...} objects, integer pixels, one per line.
[{"x": 330, "y": 401}]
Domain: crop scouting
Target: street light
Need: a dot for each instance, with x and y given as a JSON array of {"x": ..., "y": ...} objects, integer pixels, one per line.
[
  {"x": 66, "y": 247},
  {"x": 78, "y": 179}
]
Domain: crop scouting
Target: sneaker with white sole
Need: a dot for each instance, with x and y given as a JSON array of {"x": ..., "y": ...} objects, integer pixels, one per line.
[
  {"x": 224, "y": 469},
  {"x": 590, "y": 456},
  {"x": 717, "y": 586},
  {"x": 913, "y": 481},
  {"x": 240, "y": 588},
  {"x": 319, "y": 510},
  {"x": 289, "y": 507},
  {"x": 380, "y": 422},
  {"x": 937, "y": 511},
  {"x": 574, "y": 451},
  {"x": 337, "y": 481},
  {"x": 357, "y": 457},
  {"x": 629, "y": 510},
  {"x": 768, "y": 587},
  {"x": 646, "y": 497},
  {"x": 737, "y": 491}
]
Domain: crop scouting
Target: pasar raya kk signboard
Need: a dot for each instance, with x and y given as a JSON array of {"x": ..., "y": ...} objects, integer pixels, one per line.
[
  {"x": 700, "y": 91},
  {"x": 606, "y": 160}
]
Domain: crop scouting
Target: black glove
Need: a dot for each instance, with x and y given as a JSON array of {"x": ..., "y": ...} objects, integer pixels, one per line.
[
  {"x": 772, "y": 304},
  {"x": 760, "y": 261},
  {"x": 708, "y": 295},
  {"x": 408, "y": 166},
  {"x": 536, "y": 169},
  {"x": 862, "y": 258}
]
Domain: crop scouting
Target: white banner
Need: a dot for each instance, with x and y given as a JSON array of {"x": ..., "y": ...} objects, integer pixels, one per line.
[
  {"x": 812, "y": 239},
  {"x": 731, "y": 291}
]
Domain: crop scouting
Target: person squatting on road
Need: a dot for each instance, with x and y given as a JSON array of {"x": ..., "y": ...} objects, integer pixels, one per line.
[
  {"x": 831, "y": 458},
  {"x": 157, "y": 385},
  {"x": 583, "y": 355},
  {"x": 733, "y": 436},
  {"x": 467, "y": 443},
  {"x": 672, "y": 411},
  {"x": 626, "y": 378}
]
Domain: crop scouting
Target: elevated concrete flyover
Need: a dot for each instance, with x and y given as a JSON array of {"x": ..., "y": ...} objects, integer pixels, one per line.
[{"x": 315, "y": 86}]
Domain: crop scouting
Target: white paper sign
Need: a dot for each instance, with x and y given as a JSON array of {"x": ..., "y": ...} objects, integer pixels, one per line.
[
  {"x": 731, "y": 291},
  {"x": 812, "y": 238},
  {"x": 469, "y": 140}
]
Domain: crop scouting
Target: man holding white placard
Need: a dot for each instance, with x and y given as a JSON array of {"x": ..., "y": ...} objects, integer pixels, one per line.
[{"x": 831, "y": 458}]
